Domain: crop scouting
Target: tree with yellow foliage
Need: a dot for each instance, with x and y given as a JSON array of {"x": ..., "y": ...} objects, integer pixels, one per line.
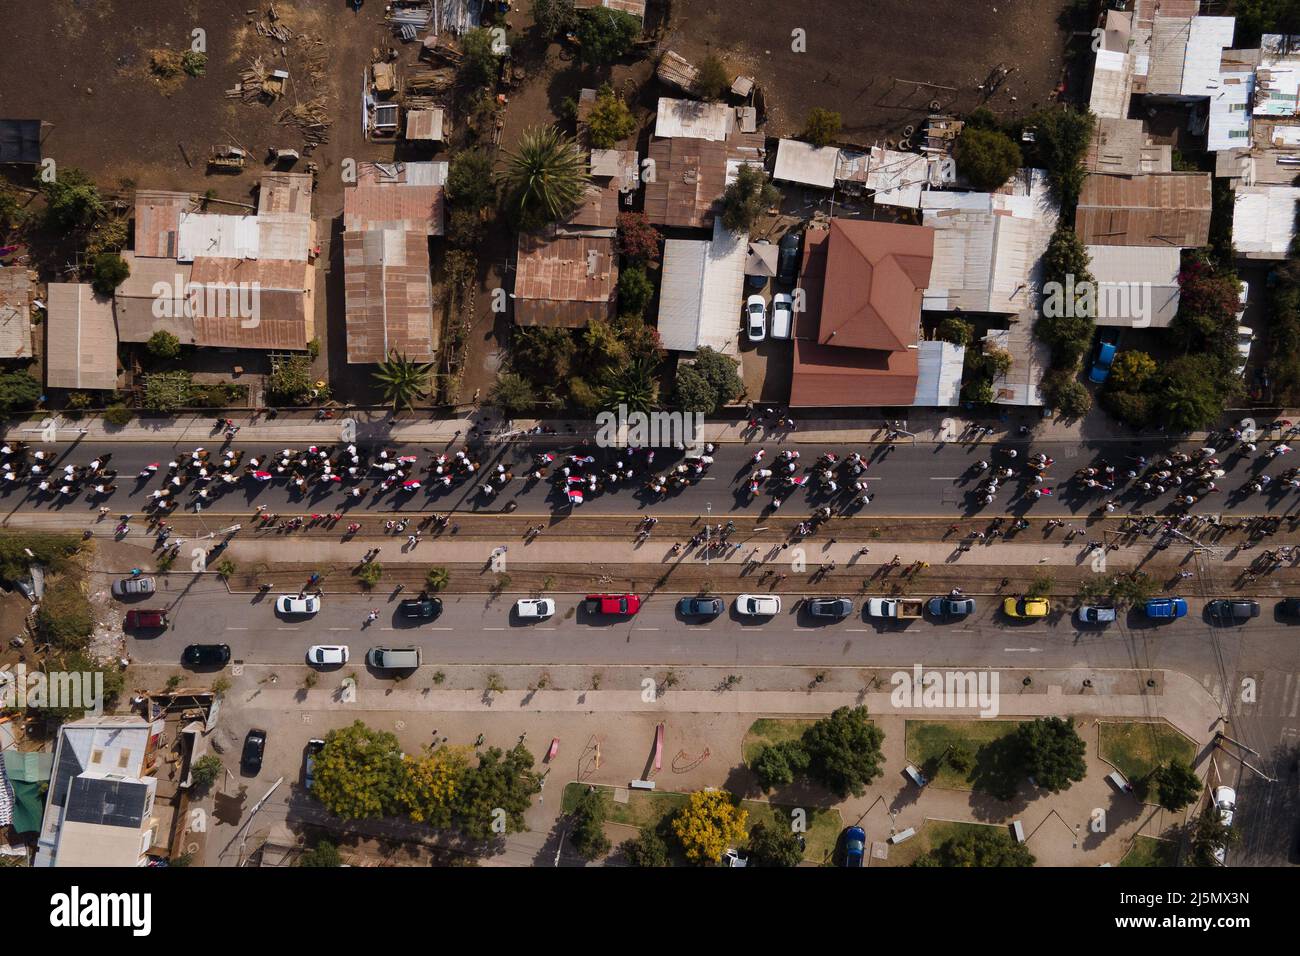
[
  {"x": 432, "y": 782},
  {"x": 711, "y": 821}
]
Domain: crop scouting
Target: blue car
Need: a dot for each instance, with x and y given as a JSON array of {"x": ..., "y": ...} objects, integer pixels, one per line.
[
  {"x": 1106, "y": 349},
  {"x": 855, "y": 844},
  {"x": 1166, "y": 609}
]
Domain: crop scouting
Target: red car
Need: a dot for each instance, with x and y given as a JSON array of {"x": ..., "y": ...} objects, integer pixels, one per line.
[
  {"x": 145, "y": 620},
  {"x": 621, "y": 605}
]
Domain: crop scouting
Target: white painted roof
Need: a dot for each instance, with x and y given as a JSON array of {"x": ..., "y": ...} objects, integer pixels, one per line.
[
  {"x": 799, "y": 162},
  {"x": 711, "y": 121},
  {"x": 702, "y": 291},
  {"x": 1150, "y": 272},
  {"x": 939, "y": 370},
  {"x": 1263, "y": 220},
  {"x": 1229, "y": 125},
  {"x": 216, "y": 236}
]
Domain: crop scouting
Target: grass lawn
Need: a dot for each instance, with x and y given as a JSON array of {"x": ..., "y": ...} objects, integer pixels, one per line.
[
  {"x": 986, "y": 739},
  {"x": 1137, "y": 748},
  {"x": 772, "y": 730},
  {"x": 1148, "y": 851},
  {"x": 648, "y": 809},
  {"x": 932, "y": 834}
]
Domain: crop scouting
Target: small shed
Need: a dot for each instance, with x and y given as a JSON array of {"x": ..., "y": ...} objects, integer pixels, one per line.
[
  {"x": 424, "y": 125},
  {"x": 803, "y": 163},
  {"x": 762, "y": 259}
]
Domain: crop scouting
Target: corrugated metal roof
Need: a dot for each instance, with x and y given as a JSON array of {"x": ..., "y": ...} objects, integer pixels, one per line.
[
  {"x": 938, "y": 374},
  {"x": 80, "y": 338},
  {"x": 564, "y": 281},
  {"x": 157, "y": 221},
  {"x": 401, "y": 206},
  {"x": 285, "y": 193},
  {"x": 15, "y": 313},
  {"x": 693, "y": 119},
  {"x": 283, "y": 293},
  {"x": 388, "y": 295},
  {"x": 1264, "y": 221},
  {"x": 424, "y": 124},
  {"x": 285, "y": 236},
  {"x": 982, "y": 260},
  {"x": 215, "y": 235},
  {"x": 799, "y": 162},
  {"x": 151, "y": 281},
  {"x": 1229, "y": 122},
  {"x": 1155, "y": 209},
  {"x": 1122, "y": 272},
  {"x": 1186, "y": 53},
  {"x": 896, "y": 178},
  {"x": 690, "y": 176},
  {"x": 1030, "y": 360}
]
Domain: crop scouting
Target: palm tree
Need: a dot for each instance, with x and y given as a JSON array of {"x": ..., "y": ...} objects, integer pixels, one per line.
[
  {"x": 436, "y": 579},
  {"x": 634, "y": 386},
  {"x": 545, "y": 177},
  {"x": 402, "y": 380}
]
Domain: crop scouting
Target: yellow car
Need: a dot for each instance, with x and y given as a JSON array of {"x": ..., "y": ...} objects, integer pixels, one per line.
[{"x": 1026, "y": 607}]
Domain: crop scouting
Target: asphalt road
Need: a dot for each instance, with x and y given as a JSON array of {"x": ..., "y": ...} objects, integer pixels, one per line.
[{"x": 907, "y": 480}]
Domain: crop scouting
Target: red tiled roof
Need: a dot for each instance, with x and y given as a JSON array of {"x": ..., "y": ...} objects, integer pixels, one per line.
[{"x": 830, "y": 376}]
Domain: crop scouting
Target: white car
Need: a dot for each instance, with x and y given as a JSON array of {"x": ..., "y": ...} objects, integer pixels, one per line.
[
  {"x": 534, "y": 609},
  {"x": 1242, "y": 297},
  {"x": 327, "y": 655},
  {"x": 758, "y": 605},
  {"x": 782, "y": 316},
  {"x": 755, "y": 318},
  {"x": 293, "y": 604},
  {"x": 1244, "y": 337},
  {"x": 1225, "y": 799}
]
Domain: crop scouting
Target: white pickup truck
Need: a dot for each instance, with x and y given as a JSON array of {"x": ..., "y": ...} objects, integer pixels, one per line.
[{"x": 894, "y": 609}]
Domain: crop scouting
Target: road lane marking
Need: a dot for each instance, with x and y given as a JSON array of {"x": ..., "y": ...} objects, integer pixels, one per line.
[
  {"x": 236, "y": 629},
  {"x": 494, "y": 628},
  {"x": 1022, "y": 650},
  {"x": 647, "y": 628},
  {"x": 288, "y": 628},
  {"x": 340, "y": 628}
]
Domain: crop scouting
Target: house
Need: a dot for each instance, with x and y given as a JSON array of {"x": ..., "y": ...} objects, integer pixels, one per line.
[
  {"x": 1186, "y": 54},
  {"x": 1121, "y": 272},
  {"x": 388, "y": 220},
  {"x": 695, "y": 152},
  {"x": 1264, "y": 221},
  {"x": 1153, "y": 209},
  {"x": 1126, "y": 55},
  {"x": 99, "y": 810},
  {"x": 80, "y": 338},
  {"x": 424, "y": 125},
  {"x": 565, "y": 281},
  {"x": 857, "y": 340},
  {"x": 1030, "y": 361},
  {"x": 805, "y": 164},
  {"x": 702, "y": 291},
  {"x": 938, "y": 374},
  {"x": 15, "y": 313},
  {"x": 1121, "y": 146},
  {"x": 613, "y": 176}
]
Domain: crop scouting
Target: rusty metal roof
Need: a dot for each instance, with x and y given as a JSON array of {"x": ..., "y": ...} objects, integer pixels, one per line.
[
  {"x": 1153, "y": 209},
  {"x": 564, "y": 281},
  {"x": 285, "y": 192},
  {"x": 284, "y": 296},
  {"x": 400, "y": 206},
  {"x": 691, "y": 175},
  {"x": 157, "y": 222},
  {"x": 80, "y": 338},
  {"x": 15, "y": 313},
  {"x": 388, "y": 295}
]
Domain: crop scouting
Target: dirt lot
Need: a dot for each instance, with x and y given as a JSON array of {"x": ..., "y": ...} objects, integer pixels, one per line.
[{"x": 855, "y": 53}]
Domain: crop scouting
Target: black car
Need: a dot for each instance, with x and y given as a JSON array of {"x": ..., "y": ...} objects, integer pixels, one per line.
[
  {"x": 787, "y": 263},
  {"x": 700, "y": 606},
  {"x": 1289, "y": 608},
  {"x": 254, "y": 746},
  {"x": 206, "y": 655},
  {"x": 1232, "y": 610},
  {"x": 830, "y": 609},
  {"x": 420, "y": 609},
  {"x": 314, "y": 746},
  {"x": 950, "y": 608}
]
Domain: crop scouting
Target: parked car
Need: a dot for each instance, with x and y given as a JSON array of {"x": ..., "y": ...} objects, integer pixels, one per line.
[
  {"x": 782, "y": 316},
  {"x": 830, "y": 609},
  {"x": 700, "y": 606},
  {"x": 293, "y": 604},
  {"x": 855, "y": 845},
  {"x": 1232, "y": 610},
  {"x": 134, "y": 587},
  {"x": 314, "y": 746},
  {"x": 1096, "y": 615},
  {"x": 1244, "y": 337},
  {"x": 758, "y": 605},
  {"x": 1026, "y": 607},
  {"x": 755, "y": 318},
  {"x": 617, "y": 605},
  {"x": 1166, "y": 609},
  {"x": 534, "y": 609},
  {"x": 950, "y": 608},
  {"x": 787, "y": 262},
  {"x": 894, "y": 609},
  {"x": 1225, "y": 801},
  {"x": 206, "y": 655},
  {"x": 254, "y": 747},
  {"x": 394, "y": 658},
  {"x": 327, "y": 655},
  {"x": 420, "y": 609},
  {"x": 1289, "y": 608},
  {"x": 1107, "y": 346},
  {"x": 1243, "y": 297},
  {"x": 148, "y": 619}
]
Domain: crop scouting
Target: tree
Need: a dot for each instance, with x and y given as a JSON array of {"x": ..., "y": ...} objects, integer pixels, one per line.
[
  {"x": 708, "y": 824},
  {"x": 1051, "y": 751},
  {"x": 512, "y": 393},
  {"x": 436, "y": 579},
  {"x": 163, "y": 345},
  {"x": 822, "y": 126},
  {"x": 711, "y": 78},
  {"x": 17, "y": 390},
  {"x": 638, "y": 240},
  {"x": 587, "y": 833},
  {"x": 692, "y": 392},
  {"x": 369, "y": 574},
  {"x": 844, "y": 751},
  {"x": 987, "y": 158},
  {"x": 402, "y": 380},
  {"x": 323, "y": 854},
  {"x": 722, "y": 372},
  {"x": 545, "y": 178},
  {"x": 633, "y": 386},
  {"x": 464, "y": 229},
  {"x": 1063, "y": 392},
  {"x": 540, "y": 353},
  {"x": 291, "y": 380},
  {"x": 980, "y": 846},
  {"x": 1189, "y": 397},
  {"x": 1131, "y": 371},
  {"x": 72, "y": 201},
  {"x": 604, "y": 35},
  {"x": 359, "y": 773},
  {"x": 1061, "y": 137},
  {"x": 11, "y": 210},
  {"x": 609, "y": 120},
  {"x": 502, "y": 782},
  {"x": 431, "y": 783},
  {"x": 107, "y": 272},
  {"x": 779, "y": 765},
  {"x": 118, "y": 415},
  {"x": 1210, "y": 835},
  {"x": 635, "y": 290},
  {"x": 554, "y": 17},
  {"x": 774, "y": 846},
  {"x": 482, "y": 62},
  {"x": 79, "y": 661},
  {"x": 1177, "y": 785},
  {"x": 747, "y": 198},
  {"x": 168, "y": 391},
  {"x": 205, "y": 770},
  {"x": 65, "y": 619},
  {"x": 647, "y": 849},
  {"x": 957, "y": 331},
  {"x": 469, "y": 180}
]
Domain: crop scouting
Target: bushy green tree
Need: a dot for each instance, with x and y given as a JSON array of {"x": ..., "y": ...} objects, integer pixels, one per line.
[
  {"x": 844, "y": 752},
  {"x": 108, "y": 271},
  {"x": 554, "y": 17},
  {"x": 978, "y": 847},
  {"x": 774, "y": 846},
  {"x": 587, "y": 833},
  {"x": 638, "y": 240},
  {"x": 646, "y": 849},
  {"x": 482, "y": 63},
  {"x": 72, "y": 201},
  {"x": 1177, "y": 785},
  {"x": 711, "y": 78},
  {"x": 822, "y": 126},
  {"x": 17, "y": 390},
  {"x": 323, "y": 854},
  {"x": 609, "y": 120},
  {"x": 780, "y": 764},
  {"x": 163, "y": 345},
  {"x": 987, "y": 158},
  {"x": 469, "y": 180},
  {"x": 503, "y": 781},
  {"x": 513, "y": 394},
  {"x": 359, "y": 773},
  {"x": 957, "y": 331},
  {"x": 747, "y": 197},
  {"x": 1051, "y": 751},
  {"x": 605, "y": 35},
  {"x": 635, "y": 290}
]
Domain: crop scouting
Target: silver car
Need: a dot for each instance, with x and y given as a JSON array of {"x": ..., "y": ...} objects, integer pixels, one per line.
[
  {"x": 1096, "y": 615},
  {"x": 133, "y": 587}
]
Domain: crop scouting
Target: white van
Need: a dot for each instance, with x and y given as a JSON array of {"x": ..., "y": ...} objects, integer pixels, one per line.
[
  {"x": 782, "y": 316},
  {"x": 394, "y": 658}
]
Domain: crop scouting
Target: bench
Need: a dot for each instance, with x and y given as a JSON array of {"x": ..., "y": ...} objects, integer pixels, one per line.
[
  {"x": 902, "y": 835},
  {"x": 642, "y": 785},
  {"x": 1018, "y": 831},
  {"x": 915, "y": 775}
]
